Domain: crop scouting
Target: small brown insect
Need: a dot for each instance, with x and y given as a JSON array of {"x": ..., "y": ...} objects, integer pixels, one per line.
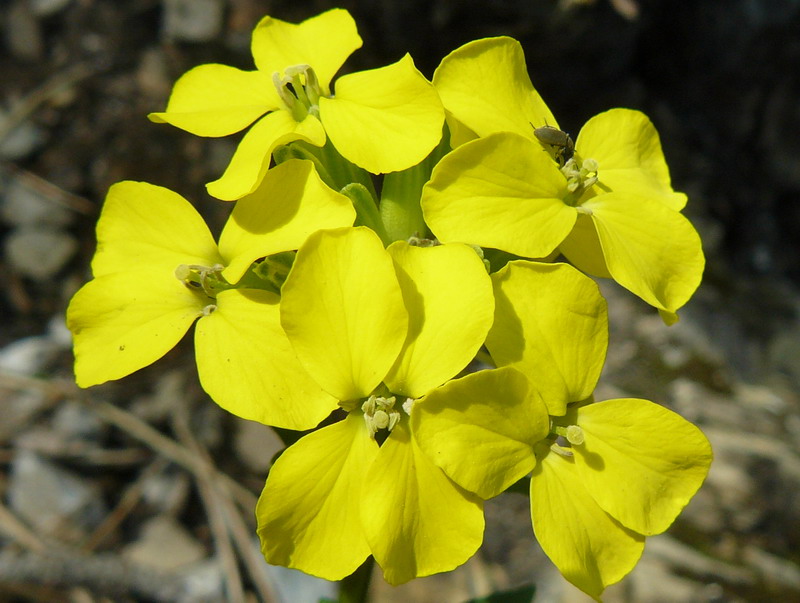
[{"x": 559, "y": 139}]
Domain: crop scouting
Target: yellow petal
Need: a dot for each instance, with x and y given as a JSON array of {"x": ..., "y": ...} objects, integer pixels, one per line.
[
  {"x": 627, "y": 148},
  {"x": 557, "y": 337},
  {"x": 247, "y": 365},
  {"x": 481, "y": 429},
  {"x": 485, "y": 85},
  {"x": 586, "y": 544},
  {"x": 251, "y": 160},
  {"x": 148, "y": 226},
  {"x": 582, "y": 248},
  {"x": 217, "y": 100},
  {"x": 450, "y": 303},
  {"x": 290, "y": 204},
  {"x": 323, "y": 42},
  {"x": 502, "y": 191},
  {"x": 124, "y": 321},
  {"x": 308, "y": 513},
  {"x": 641, "y": 462},
  {"x": 343, "y": 311},
  {"x": 384, "y": 120},
  {"x": 416, "y": 520},
  {"x": 651, "y": 250}
]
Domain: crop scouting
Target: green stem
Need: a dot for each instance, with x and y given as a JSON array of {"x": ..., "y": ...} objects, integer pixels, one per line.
[{"x": 355, "y": 587}]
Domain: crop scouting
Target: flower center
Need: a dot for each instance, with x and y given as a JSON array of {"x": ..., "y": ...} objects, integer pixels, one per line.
[
  {"x": 580, "y": 177},
  {"x": 299, "y": 90},
  {"x": 207, "y": 279},
  {"x": 379, "y": 413}
]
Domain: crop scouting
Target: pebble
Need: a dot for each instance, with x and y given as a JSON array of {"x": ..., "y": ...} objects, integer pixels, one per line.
[
  {"x": 193, "y": 20},
  {"x": 166, "y": 492},
  {"x": 29, "y": 356},
  {"x": 256, "y": 445},
  {"x": 54, "y": 501},
  {"x": 24, "y": 205},
  {"x": 164, "y": 544},
  {"x": 39, "y": 252},
  {"x": 20, "y": 140},
  {"x": 23, "y": 33}
]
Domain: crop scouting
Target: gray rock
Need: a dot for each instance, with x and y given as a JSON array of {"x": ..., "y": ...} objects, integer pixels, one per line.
[
  {"x": 54, "y": 501},
  {"x": 45, "y": 8},
  {"x": 256, "y": 445},
  {"x": 23, "y": 205},
  {"x": 192, "y": 20},
  {"x": 167, "y": 492},
  {"x": 29, "y": 356},
  {"x": 164, "y": 544},
  {"x": 19, "y": 140},
  {"x": 23, "y": 33},
  {"x": 39, "y": 253}
]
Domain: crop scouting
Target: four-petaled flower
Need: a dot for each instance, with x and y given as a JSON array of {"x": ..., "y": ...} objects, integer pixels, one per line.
[
  {"x": 157, "y": 270},
  {"x": 610, "y": 208},
  {"x": 383, "y": 120},
  {"x": 603, "y": 475},
  {"x": 377, "y": 329}
]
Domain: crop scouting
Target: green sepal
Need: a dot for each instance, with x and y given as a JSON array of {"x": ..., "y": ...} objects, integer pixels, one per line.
[
  {"x": 400, "y": 208},
  {"x": 366, "y": 210},
  {"x": 268, "y": 274}
]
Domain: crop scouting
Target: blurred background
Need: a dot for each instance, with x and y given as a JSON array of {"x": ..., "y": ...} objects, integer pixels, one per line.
[{"x": 143, "y": 489}]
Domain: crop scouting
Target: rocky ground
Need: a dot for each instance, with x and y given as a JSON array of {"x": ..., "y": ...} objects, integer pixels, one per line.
[{"x": 144, "y": 490}]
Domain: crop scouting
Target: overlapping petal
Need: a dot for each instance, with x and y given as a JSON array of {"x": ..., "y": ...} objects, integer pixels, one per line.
[
  {"x": 217, "y": 100},
  {"x": 582, "y": 248},
  {"x": 148, "y": 227},
  {"x": 449, "y": 299},
  {"x": 247, "y": 365},
  {"x": 289, "y": 204},
  {"x": 252, "y": 157},
  {"x": 324, "y": 42},
  {"x": 485, "y": 85},
  {"x": 384, "y": 120},
  {"x": 416, "y": 520},
  {"x": 551, "y": 323},
  {"x": 655, "y": 459},
  {"x": 649, "y": 249},
  {"x": 343, "y": 311},
  {"x": 627, "y": 147},
  {"x": 308, "y": 513},
  {"x": 589, "y": 547},
  {"x": 124, "y": 321},
  {"x": 481, "y": 429},
  {"x": 501, "y": 191}
]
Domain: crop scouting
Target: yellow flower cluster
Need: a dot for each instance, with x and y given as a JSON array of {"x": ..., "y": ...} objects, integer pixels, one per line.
[{"x": 358, "y": 311}]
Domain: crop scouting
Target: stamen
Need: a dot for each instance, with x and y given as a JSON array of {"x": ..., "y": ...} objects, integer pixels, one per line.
[{"x": 379, "y": 413}]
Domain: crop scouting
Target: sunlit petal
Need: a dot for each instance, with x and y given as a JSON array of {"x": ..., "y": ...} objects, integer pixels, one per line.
[
  {"x": 481, "y": 429},
  {"x": 148, "y": 227},
  {"x": 247, "y": 365},
  {"x": 485, "y": 85},
  {"x": 251, "y": 159},
  {"x": 586, "y": 544},
  {"x": 217, "y": 100},
  {"x": 124, "y": 321},
  {"x": 289, "y": 204},
  {"x": 628, "y": 150},
  {"x": 343, "y": 311},
  {"x": 650, "y": 249},
  {"x": 384, "y": 120},
  {"x": 323, "y": 42},
  {"x": 416, "y": 520},
  {"x": 503, "y": 191},
  {"x": 308, "y": 512},
  {"x": 450, "y": 303},
  {"x": 551, "y": 323},
  {"x": 641, "y": 462}
]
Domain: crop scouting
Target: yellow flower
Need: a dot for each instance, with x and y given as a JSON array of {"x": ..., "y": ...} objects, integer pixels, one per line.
[
  {"x": 603, "y": 475},
  {"x": 157, "y": 270},
  {"x": 607, "y": 204},
  {"x": 383, "y": 120},
  {"x": 376, "y": 329}
]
